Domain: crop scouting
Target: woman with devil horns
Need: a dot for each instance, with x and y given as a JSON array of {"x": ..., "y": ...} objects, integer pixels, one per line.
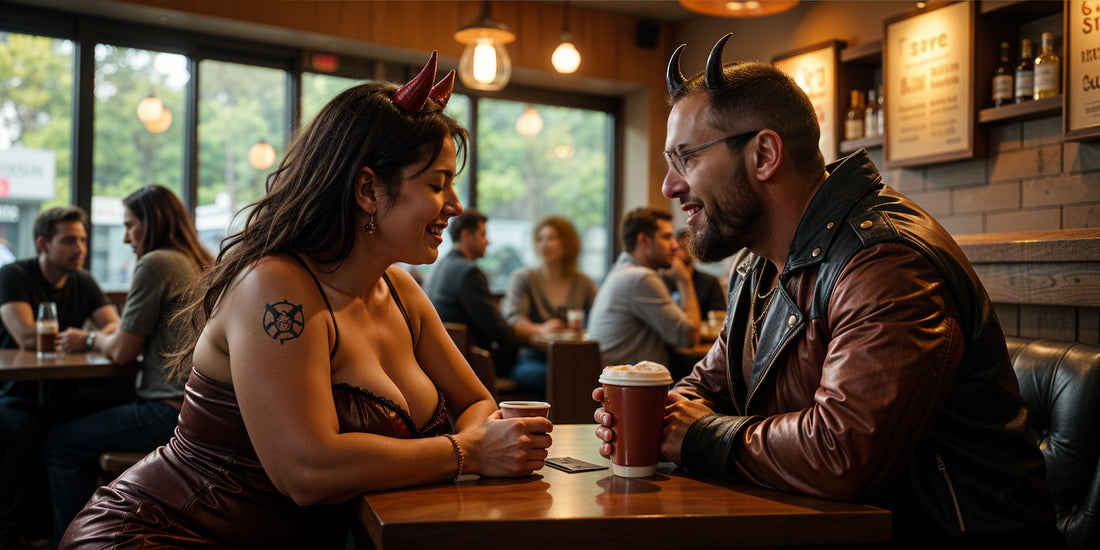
[{"x": 320, "y": 369}]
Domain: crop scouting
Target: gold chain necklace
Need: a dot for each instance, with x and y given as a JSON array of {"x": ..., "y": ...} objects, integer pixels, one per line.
[{"x": 753, "y": 319}]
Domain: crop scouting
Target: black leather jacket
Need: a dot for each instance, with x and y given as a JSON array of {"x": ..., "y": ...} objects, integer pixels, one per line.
[{"x": 880, "y": 376}]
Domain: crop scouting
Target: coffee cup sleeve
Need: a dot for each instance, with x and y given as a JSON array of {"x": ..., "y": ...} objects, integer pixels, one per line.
[{"x": 708, "y": 442}]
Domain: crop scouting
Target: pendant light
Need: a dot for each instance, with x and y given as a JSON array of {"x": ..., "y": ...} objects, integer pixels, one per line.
[
  {"x": 161, "y": 123},
  {"x": 484, "y": 63},
  {"x": 150, "y": 109},
  {"x": 262, "y": 155},
  {"x": 529, "y": 124},
  {"x": 744, "y": 8},
  {"x": 566, "y": 58}
]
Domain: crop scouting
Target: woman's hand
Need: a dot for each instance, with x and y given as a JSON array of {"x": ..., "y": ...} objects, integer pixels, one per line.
[{"x": 511, "y": 447}]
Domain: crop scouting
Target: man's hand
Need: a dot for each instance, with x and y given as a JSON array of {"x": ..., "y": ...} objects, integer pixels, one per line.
[
  {"x": 680, "y": 414},
  {"x": 678, "y": 410},
  {"x": 71, "y": 340},
  {"x": 677, "y": 271}
]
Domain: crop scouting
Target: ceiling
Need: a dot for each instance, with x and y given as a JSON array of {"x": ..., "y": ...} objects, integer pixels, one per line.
[{"x": 668, "y": 11}]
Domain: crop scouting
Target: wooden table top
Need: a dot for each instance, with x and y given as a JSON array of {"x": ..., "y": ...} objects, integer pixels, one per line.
[
  {"x": 553, "y": 509},
  {"x": 25, "y": 365}
]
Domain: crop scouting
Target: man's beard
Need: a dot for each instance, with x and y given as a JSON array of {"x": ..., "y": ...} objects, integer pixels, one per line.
[{"x": 730, "y": 223}]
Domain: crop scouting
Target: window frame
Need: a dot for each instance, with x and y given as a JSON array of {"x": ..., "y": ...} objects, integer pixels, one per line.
[{"x": 85, "y": 31}]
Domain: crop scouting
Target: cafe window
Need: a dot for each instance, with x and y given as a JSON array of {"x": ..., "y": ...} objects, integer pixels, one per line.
[
  {"x": 36, "y": 91},
  {"x": 242, "y": 135},
  {"x": 536, "y": 160},
  {"x": 139, "y": 140}
]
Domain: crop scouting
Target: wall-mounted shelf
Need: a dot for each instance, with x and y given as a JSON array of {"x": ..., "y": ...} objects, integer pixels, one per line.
[
  {"x": 853, "y": 145},
  {"x": 1027, "y": 110}
]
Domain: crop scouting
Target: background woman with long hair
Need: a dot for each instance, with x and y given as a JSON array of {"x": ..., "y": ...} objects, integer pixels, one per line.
[
  {"x": 544, "y": 294},
  {"x": 169, "y": 258},
  {"x": 320, "y": 369}
]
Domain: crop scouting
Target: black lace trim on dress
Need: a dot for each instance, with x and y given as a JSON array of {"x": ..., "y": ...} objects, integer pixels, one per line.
[{"x": 437, "y": 417}]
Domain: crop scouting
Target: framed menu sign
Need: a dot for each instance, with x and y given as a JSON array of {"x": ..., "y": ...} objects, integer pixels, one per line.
[
  {"x": 928, "y": 60},
  {"x": 814, "y": 68},
  {"x": 1082, "y": 69}
]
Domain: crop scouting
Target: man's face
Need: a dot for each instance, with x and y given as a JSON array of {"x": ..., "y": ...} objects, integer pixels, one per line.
[
  {"x": 475, "y": 242},
  {"x": 724, "y": 211},
  {"x": 65, "y": 252},
  {"x": 658, "y": 250}
]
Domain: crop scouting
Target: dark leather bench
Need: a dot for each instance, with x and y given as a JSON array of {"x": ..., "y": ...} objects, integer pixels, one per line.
[{"x": 1060, "y": 382}]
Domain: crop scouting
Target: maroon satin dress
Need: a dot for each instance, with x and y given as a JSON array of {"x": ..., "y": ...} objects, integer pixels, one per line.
[{"x": 207, "y": 489}]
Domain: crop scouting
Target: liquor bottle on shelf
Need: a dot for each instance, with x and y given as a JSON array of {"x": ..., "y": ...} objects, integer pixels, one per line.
[
  {"x": 1047, "y": 81},
  {"x": 1003, "y": 88},
  {"x": 853, "y": 123},
  {"x": 870, "y": 115},
  {"x": 880, "y": 113},
  {"x": 1025, "y": 73}
]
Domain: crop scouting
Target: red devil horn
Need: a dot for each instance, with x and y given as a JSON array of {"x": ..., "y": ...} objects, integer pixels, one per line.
[
  {"x": 413, "y": 96},
  {"x": 442, "y": 92}
]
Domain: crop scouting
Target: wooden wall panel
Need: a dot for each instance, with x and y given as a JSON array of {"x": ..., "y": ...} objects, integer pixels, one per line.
[{"x": 1059, "y": 323}]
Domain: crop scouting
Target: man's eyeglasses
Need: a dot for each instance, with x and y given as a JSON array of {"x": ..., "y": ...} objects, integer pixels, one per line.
[{"x": 678, "y": 159}]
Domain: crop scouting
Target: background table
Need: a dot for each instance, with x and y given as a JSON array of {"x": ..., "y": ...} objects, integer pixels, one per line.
[
  {"x": 25, "y": 365},
  {"x": 554, "y": 509}
]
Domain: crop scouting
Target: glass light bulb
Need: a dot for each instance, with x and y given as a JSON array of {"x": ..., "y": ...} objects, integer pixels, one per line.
[
  {"x": 162, "y": 123},
  {"x": 529, "y": 123},
  {"x": 566, "y": 58},
  {"x": 150, "y": 109},
  {"x": 485, "y": 61}
]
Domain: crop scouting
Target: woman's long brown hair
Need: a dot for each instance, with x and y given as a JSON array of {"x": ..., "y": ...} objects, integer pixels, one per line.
[
  {"x": 166, "y": 223},
  {"x": 310, "y": 205}
]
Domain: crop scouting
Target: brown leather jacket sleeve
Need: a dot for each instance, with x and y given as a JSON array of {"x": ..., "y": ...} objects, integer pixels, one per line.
[{"x": 870, "y": 379}]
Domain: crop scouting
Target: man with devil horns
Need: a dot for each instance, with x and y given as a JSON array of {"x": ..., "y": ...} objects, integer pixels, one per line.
[
  {"x": 282, "y": 426},
  {"x": 861, "y": 359}
]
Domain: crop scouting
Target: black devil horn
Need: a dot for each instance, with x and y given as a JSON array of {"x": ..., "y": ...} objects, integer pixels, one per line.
[
  {"x": 715, "y": 77},
  {"x": 675, "y": 78}
]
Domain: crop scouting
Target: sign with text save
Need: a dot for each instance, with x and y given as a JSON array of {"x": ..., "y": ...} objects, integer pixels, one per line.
[
  {"x": 929, "y": 94},
  {"x": 814, "y": 69},
  {"x": 1082, "y": 84}
]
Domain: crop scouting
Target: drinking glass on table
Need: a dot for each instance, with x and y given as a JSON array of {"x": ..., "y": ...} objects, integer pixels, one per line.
[{"x": 46, "y": 327}]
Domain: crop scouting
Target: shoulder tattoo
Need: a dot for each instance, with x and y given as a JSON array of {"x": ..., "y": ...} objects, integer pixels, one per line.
[{"x": 283, "y": 321}]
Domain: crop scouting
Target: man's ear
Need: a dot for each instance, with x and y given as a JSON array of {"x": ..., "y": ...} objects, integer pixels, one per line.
[
  {"x": 40, "y": 244},
  {"x": 365, "y": 195},
  {"x": 768, "y": 154}
]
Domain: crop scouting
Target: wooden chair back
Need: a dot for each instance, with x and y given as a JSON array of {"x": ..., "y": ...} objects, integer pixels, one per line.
[
  {"x": 461, "y": 336},
  {"x": 572, "y": 372},
  {"x": 482, "y": 363}
]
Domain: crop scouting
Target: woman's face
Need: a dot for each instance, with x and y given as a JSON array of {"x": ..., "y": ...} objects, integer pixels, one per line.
[
  {"x": 134, "y": 232},
  {"x": 549, "y": 244},
  {"x": 412, "y": 226}
]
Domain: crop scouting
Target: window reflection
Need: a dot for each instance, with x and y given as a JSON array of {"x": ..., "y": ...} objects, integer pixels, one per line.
[
  {"x": 562, "y": 169},
  {"x": 130, "y": 152},
  {"x": 239, "y": 105},
  {"x": 36, "y": 90}
]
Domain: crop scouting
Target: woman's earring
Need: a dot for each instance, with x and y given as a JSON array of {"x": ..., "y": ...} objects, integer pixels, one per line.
[{"x": 370, "y": 225}]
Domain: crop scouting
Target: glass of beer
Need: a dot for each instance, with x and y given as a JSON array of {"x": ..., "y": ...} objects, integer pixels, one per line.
[{"x": 47, "y": 330}]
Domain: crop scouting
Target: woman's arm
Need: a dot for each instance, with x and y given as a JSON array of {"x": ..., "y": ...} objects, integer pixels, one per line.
[{"x": 279, "y": 335}]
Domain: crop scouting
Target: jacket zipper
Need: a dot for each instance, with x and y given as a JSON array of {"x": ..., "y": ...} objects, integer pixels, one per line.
[{"x": 951, "y": 489}]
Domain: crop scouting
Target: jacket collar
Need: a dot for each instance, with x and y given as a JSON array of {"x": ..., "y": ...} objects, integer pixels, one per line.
[{"x": 850, "y": 178}]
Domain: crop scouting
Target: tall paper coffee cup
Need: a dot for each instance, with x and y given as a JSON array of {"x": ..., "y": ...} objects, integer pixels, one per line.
[{"x": 635, "y": 396}]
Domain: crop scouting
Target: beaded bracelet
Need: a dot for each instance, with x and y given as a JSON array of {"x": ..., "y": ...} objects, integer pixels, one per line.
[{"x": 458, "y": 451}]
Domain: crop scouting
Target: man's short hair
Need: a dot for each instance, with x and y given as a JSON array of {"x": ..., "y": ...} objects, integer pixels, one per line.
[
  {"x": 638, "y": 221},
  {"x": 45, "y": 225},
  {"x": 469, "y": 220}
]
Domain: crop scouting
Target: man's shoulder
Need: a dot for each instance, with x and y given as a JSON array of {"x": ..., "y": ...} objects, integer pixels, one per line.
[{"x": 20, "y": 267}]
